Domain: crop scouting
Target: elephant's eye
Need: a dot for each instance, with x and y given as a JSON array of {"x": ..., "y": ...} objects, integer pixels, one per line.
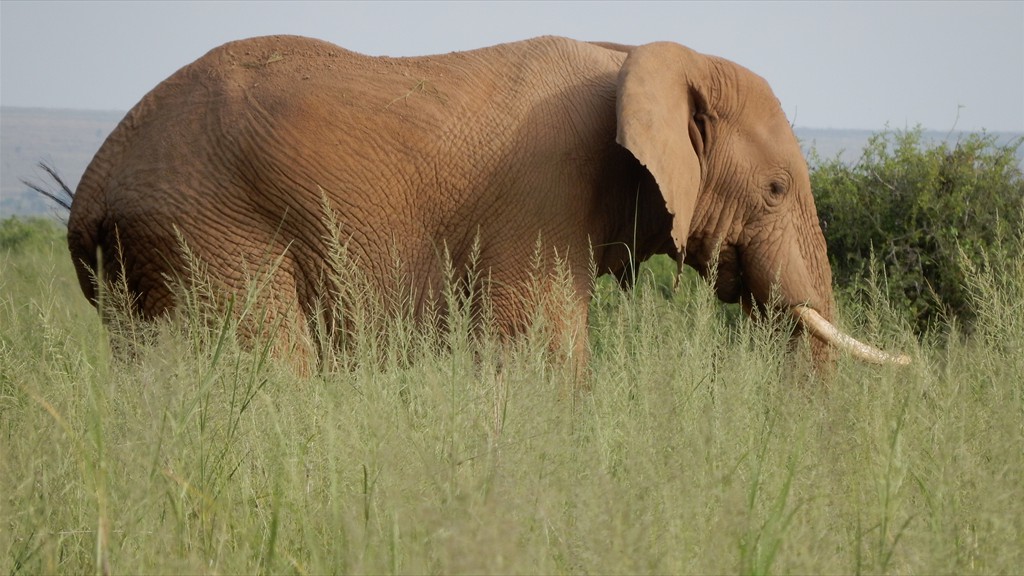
[{"x": 776, "y": 192}]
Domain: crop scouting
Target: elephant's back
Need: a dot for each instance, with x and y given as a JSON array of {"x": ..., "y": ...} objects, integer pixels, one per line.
[
  {"x": 330, "y": 118},
  {"x": 297, "y": 96},
  {"x": 274, "y": 92}
]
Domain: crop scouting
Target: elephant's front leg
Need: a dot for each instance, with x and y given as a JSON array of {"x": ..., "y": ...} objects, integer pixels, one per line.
[
  {"x": 552, "y": 305},
  {"x": 570, "y": 341}
]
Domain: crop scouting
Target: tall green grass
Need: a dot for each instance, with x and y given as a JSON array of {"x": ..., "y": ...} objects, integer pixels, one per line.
[{"x": 701, "y": 447}]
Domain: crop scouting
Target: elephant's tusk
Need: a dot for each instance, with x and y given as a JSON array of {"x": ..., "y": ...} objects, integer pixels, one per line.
[{"x": 826, "y": 332}]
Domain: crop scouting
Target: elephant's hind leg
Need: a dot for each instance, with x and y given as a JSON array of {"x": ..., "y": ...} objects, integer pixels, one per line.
[{"x": 258, "y": 290}]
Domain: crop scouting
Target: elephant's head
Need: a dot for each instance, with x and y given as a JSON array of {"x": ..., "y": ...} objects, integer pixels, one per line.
[{"x": 732, "y": 174}]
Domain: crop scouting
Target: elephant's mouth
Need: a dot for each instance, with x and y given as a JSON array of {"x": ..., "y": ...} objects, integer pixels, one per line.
[{"x": 722, "y": 268}]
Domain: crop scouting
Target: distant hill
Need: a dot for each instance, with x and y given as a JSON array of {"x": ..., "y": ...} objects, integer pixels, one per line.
[
  {"x": 64, "y": 139},
  {"x": 68, "y": 139}
]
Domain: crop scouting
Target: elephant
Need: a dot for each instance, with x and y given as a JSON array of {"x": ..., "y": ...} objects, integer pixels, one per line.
[{"x": 602, "y": 154}]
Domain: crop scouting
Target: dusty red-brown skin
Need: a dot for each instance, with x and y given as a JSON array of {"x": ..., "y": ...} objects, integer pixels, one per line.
[{"x": 600, "y": 150}]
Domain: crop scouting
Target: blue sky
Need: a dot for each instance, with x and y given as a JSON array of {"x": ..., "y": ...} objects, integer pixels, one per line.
[{"x": 832, "y": 64}]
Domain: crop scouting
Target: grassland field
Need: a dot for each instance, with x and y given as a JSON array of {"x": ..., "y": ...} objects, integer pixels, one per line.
[{"x": 703, "y": 445}]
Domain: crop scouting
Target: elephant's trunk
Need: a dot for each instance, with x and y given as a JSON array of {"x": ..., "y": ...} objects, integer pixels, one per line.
[{"x": 826, "y": 332}]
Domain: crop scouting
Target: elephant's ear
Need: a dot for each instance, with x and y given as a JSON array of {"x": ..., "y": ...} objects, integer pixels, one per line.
[{"x": 662, "y": 114}]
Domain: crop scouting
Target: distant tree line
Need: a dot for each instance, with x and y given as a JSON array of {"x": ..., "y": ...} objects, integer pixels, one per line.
[{"x": 911, "y": 210}]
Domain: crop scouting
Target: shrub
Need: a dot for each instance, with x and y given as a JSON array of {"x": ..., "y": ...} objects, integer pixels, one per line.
[
  {"x": 18, "y": 234},
  {"x": 909, "y": 206}
]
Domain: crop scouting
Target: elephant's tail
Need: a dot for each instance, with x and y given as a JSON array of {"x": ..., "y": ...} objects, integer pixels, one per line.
[
  {"x": 82, "y": 235},
  {"x": 57, "y": 196}
]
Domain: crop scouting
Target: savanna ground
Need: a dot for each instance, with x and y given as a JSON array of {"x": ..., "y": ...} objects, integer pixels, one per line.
[{"x": 702, "y": 446}]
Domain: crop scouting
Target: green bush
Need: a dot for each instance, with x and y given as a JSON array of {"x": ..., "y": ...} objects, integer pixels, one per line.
[
  {"x": 19, "y": 233},
  {"x": 908, "y": 208}
]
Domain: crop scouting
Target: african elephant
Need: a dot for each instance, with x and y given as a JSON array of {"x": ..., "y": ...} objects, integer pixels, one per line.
[{"x": 605, "y": 154}]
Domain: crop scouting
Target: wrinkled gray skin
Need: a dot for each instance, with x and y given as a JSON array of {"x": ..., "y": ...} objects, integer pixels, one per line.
[{"x": 600, "y": 150}]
